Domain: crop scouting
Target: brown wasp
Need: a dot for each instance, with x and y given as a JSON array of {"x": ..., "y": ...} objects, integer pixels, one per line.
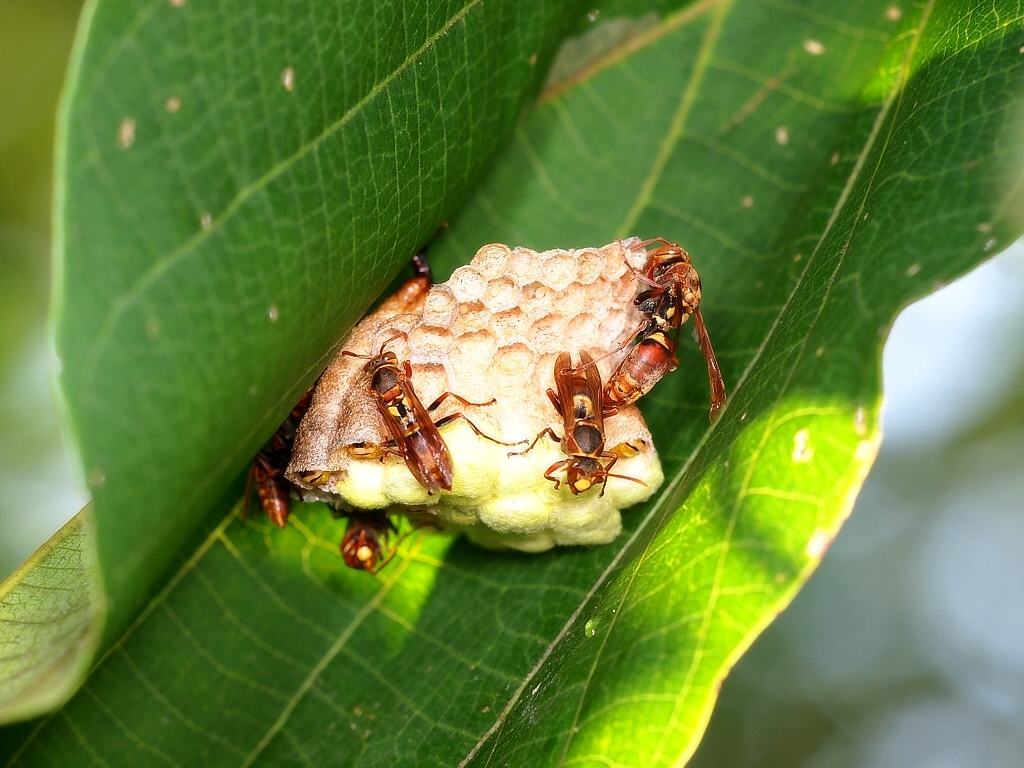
[
  {"x": 367, "y": 533},
  {"x": 268, "y": 466},
  {"x": 414, "y": 433},
  {"x": 673, "y": 297},
  {"x": 361, "y": 545},
  {"x": 580, "y": 403}
]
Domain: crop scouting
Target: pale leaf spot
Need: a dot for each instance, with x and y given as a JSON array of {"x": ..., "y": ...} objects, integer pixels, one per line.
[
  {"x": 814, "y": 47},
  {"x": 984, "y": 227},
  {"x": 865, "y": 449},
  {"x": 892, "y": 13},
  {"x": 860, "y": 421},
  {"x": 782, "y": 135},
  {"x": 126, "y": 133},
  {"x": 802, "y": 450},
  {"x": 748, "y": 202},
  {"x": 288, "y": 79},
  {"x": 834, "y": 159},
  {"x": 176, "y": 3},
  {"x": 206, "y": 221},
  {"x": 273, "y": 313},
  {"x": 797, "y": 258},
  {"x": 989, "y": 244},
  {"x": 173, "y": 104},
  {"x": 913, "y": 269}
]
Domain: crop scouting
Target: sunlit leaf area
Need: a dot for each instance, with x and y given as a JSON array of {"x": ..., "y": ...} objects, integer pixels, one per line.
[{"x": 198, "y": 200}]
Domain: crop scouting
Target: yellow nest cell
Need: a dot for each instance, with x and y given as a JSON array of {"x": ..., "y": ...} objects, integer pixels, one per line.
[{"x": 491, "y": 333}]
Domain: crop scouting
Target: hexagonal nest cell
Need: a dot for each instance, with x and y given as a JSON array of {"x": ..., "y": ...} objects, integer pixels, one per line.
[{"x": 492, "y": 332}]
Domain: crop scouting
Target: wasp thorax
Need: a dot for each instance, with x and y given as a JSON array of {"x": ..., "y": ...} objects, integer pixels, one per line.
[
  {"x": 385, "y": 379},
  {"x": 588, "y": 438}
]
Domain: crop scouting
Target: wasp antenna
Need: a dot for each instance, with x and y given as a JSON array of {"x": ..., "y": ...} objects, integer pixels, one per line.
[
  {"x": 397, "y": 335},
  {"x": 627, "y": 477},
  {"x": 718, "y": 394}
]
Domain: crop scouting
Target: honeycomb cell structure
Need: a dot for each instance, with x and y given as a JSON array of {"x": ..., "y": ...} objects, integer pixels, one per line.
[{"x": 490, "y": 335}]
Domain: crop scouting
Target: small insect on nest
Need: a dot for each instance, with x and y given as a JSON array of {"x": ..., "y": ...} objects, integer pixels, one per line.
[{"x": 439, "y": 401}]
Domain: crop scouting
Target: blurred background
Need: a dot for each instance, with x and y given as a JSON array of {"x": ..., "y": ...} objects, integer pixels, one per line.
[
  {"x": 37, "y": 490},
  {"x": 907, "y": 646}
]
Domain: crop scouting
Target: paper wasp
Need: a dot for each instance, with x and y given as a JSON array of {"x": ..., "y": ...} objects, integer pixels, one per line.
[
  {"x": 268, "y": 466},
  {"x": 361, "y": 545},
  {"x": 414, "y": 433},
  {"x": 673, "y": 297},
  {"x": 579, "y": 401}
]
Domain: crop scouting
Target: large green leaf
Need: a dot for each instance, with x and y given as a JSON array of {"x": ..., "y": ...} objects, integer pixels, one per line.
[
  {"x": 234, "y": 186},
  {"x": 824, "y": 163}
]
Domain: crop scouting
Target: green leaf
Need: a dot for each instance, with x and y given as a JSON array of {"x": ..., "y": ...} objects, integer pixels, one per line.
[
  {"x": 55, "y": 594},
  {"x": 234, "y": 186},
  {"x": 232, "y": 189},
  {"x": 824, "y": 164}
]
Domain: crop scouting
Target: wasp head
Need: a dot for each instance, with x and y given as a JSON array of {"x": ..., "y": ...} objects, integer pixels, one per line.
[
  {"x": 360, "y": 547},
  {"x": 384, "y": 372},
  {"x": 315, "y": 478},
  {"x": 583, "y": 473}
]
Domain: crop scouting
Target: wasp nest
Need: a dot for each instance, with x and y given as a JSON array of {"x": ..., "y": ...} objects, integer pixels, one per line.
[{"x": 493, "y": 331}]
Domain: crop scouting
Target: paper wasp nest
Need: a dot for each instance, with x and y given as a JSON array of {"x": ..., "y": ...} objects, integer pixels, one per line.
[{"x": 492, "y": 331}]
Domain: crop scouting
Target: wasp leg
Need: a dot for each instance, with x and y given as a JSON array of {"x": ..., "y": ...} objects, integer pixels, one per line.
[
  {"x": 554, "y": 468},
  {"x": 548, "y": 431},
  {"x": 554, "y": 400},
  {"x": 445, "y": 395},
  {"x": 661, "y": 240},
  {"x": 607, "y": 471},
  {"x": 449, "y": 419},
  {"x": 421, "y": 267},
  {"x": 640, "y": 330}
]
